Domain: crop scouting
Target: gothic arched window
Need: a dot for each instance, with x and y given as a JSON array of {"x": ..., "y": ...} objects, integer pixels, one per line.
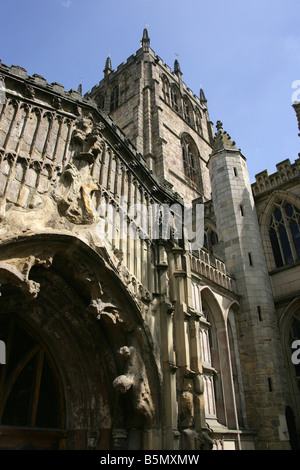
[
  {"x": 166, "y": 89},
  {"x": 101, "y": 102},
  {"x": 284, "y": 232},
  {"x": 191, "y": 160},
  {"x": 210, "y": 239},
  {"x": 187, "y": 112},
  {"x": 114, "y": 98},
  {"x": 198, "y": 122},
  {"x": 175, "y": 99}
]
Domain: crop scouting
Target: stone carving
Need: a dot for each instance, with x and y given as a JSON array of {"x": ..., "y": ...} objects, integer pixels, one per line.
[
  {"x": 134, "y": 382},
  {"x": 77, "y": 184},
  {"x": 87, "y": 139},
  {"x": 205, "y": 439},
  {"x": 29, "y": 91},
  {"x": 74, "y": 196},
  {"x": 187, "y": 407},
  {"x": 9, "y": 273}
]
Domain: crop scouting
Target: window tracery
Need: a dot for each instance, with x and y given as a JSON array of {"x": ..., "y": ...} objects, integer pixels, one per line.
[
  {"x": 175, "y": 99},
  {"x": 187, "y": 113},
  {"x": 198, "y": 122},
  {"x": 284, "y": 233},
  {"x": 210, "y": 239},
  {"x": 191, "y": 161},
  {"x": 166, "y": 90}
]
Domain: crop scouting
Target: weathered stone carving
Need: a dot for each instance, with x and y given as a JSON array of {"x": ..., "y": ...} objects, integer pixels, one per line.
[
  {"x": 87, "y": 137},
  {"x": 134, "y": 381},
  {"x": 29, "y": 91},
  {"x": 77, "y": 184},
  {"x": 9, "y": 273},
  {"x": 206, "y": 439},
  {"x": 74, "y": 196}
]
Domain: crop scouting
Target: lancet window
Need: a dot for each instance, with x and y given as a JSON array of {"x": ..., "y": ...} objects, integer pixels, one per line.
[{"x": 191, "y": 161}]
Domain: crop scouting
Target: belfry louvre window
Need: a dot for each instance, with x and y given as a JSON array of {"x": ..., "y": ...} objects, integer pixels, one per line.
[
  {"x": 174, "y": 99},
  {"x": 187, "y": 110},
  {"x": 114, "y": 98},
  {"x": 198, "y": 123},
  {"x": 191, "y": 161},
  {"x": 284, "y": 232},
  {"x": 166, "y": 90}
]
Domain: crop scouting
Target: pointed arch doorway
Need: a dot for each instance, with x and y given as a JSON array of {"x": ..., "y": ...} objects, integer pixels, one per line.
[
  {"x": 80, "y": 325},
  {"x": 32, "y": 414}
]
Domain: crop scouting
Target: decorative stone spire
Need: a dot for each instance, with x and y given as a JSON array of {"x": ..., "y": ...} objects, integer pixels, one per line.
[
  {"x": 79, "y": 89},
  {"x": 177, "y": 69},
  {"x": 202, "y": 96},
  {"x": 108, "y": 67},
  {"x": 222, "y": 140},
  {"x": 145, "y": 43}
]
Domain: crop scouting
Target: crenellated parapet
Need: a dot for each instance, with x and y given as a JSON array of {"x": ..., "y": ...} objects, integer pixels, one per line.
[{"x": 286, "y": 172}]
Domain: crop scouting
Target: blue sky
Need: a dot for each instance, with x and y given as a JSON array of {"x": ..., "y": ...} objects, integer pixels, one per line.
[{"x": 245, "y": 54}]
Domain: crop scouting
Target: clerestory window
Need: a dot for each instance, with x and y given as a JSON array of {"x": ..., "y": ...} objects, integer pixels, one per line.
[
  {"x": 284, "y": 232},
  {"x": 210, "y": 239}
]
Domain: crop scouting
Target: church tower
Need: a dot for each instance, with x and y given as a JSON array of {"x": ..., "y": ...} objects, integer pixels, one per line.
[
  {"x": 240, "y": 240},
  {"x": 166, "y": 122}
]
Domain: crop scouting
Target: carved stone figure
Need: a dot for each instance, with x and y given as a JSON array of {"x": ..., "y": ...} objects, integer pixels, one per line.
[{"x": 134, "y": 381}]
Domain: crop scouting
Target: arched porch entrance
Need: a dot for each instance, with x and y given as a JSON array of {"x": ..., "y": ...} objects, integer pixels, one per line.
[{"x": 87, "y": 347}]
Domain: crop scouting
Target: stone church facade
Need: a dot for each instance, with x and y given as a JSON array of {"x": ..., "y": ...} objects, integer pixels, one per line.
[{"x": 141, "y": 341}]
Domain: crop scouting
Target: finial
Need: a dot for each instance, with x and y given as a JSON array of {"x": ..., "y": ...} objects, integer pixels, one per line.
[
  {"x": 108, "y": 67},
  {"x": 145, "y": 42},
  {"x": 202, "y": 95},
  {"x": 177, "y": 69},
  {"x": 79, "y": 89},
  {"x": 219, "y": 126}
]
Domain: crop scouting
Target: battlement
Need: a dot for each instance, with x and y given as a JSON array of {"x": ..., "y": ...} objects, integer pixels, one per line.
[
  {"x": 286, "y": 171},
  {"x": 156, "y": 60}
]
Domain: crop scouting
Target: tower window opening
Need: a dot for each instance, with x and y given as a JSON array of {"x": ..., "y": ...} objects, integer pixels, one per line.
[
  {"x": 191, "y": 160},
  {"x": 259, "y": 312},
  {"x": 114, "y": 99},
  {"x": 270, "y": 384}
]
